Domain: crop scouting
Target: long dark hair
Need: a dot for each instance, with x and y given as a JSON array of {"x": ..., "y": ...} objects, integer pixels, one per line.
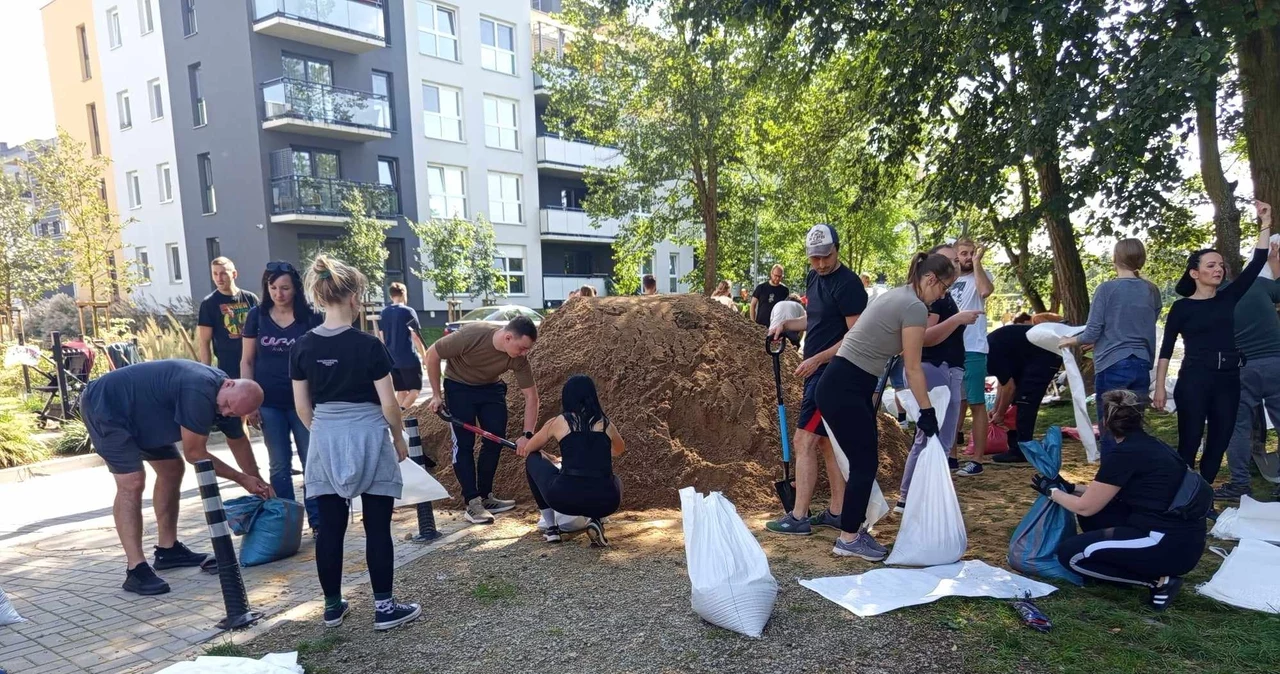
[
  {"x": 923, "y": 264},
  {"x": 302, "y": 309},
  {"x": 580, "y": 404},
  {"x": 1186, "y": 285}
]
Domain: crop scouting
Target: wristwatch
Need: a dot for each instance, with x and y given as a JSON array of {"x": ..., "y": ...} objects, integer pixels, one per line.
[{"x": 528, "y": 435}]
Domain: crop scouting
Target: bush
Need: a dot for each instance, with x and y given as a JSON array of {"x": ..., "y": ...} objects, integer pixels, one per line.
[
  {"x": 74, "y": 439},
  {"x": 55, "y": 313},
  {"x": 17, "y": 446},
  {"x": 165, "y": 338}
]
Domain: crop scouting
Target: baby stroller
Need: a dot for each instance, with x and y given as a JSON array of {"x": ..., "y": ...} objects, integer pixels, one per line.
[{"x": 77, "y": 363}]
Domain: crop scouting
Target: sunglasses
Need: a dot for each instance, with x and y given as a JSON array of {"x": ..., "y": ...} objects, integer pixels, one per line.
[{"x": 274, "y": 267}]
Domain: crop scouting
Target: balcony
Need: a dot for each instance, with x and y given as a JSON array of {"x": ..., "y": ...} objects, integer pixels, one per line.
[
  {"x": 573, "y": 224},
  {"x": 317, "y": 109},
  {"x": 558, "y": 156},
  {"x": 303, "y": 200},
  {"x": 352, "y": 26},
  {"x": 556, "y": 287}
]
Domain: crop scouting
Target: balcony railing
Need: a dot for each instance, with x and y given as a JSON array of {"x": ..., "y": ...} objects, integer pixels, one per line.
[
  {"x": 324, "y": 196},
  {"x": 287, "y": 98},
  {"x": 562, "y": 221},
  {"x": 548, "y": 6},
  {"x": 556, "y": 287},
  {"x": 560, "y": 154},
  {"x": 362, "y": 17}
]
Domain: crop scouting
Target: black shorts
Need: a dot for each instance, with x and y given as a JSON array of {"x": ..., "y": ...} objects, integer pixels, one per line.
[
  {"x": 407, "y": 378},
  {"x": 118, "y": 449},
  {"x": 231, "y": 427},
  {"x": 810, "y": 417}
]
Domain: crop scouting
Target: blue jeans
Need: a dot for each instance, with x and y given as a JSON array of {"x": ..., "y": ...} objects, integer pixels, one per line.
[
  {"x": 1132, "y": 373},
  {"x": 281, "y": 430}
]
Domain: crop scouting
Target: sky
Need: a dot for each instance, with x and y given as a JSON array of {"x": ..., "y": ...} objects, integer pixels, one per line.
[{"x": 27, "y": 112}]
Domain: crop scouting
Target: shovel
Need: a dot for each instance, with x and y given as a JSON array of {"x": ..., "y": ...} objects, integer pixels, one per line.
[
  {"x": 443, "y": 413},
  {"x": 884, "y": 379},
  {"x": 787, "y": 487}
]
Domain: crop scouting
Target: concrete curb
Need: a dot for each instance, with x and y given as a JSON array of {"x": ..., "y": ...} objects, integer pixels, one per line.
[{"x": 49, "y": 467}]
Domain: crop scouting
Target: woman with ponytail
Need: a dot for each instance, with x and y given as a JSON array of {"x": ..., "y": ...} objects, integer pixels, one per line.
[
  {"x": 584, "y": 483},
  {"x": 894, "y": 324}
]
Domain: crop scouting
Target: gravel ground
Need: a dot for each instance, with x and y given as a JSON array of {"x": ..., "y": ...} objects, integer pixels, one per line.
[{"x": 501, "y": 600}]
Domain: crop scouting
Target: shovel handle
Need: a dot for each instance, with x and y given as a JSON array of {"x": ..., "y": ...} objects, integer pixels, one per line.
[
  {"x": 444, "y": 414},
  {"x": 884, "y": 379}
]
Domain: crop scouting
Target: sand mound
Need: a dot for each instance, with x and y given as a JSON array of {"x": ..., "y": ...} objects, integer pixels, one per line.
[{"x": 689, "y": 385}]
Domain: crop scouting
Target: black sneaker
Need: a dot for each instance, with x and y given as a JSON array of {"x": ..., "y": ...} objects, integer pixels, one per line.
[
  {"x": 142, "y": 580},
  {"x": 1230, "y": 492},
  {"x": 1009, "y": 457},
  {"x": 552, "y": 534},
  {"x": 177, "y": 557},
  {"x": 398, "y": 615},
  {"x": 953, "y": 464},
  {"x": 595, "y": 531},
  {"x": 333, "y": 616},
  {"x": 1162, "y": 594}
]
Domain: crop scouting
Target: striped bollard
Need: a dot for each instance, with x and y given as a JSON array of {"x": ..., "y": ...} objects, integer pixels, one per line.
[
  {"x": 426, "y": 513},
  {"x": 233, "y": 594}
]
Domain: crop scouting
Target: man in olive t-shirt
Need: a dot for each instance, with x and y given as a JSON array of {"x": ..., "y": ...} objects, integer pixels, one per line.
[{"x": 474, "y": 392}]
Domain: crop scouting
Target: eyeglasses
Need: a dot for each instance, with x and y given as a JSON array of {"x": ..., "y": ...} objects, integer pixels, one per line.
[{"x": 274, "y": 267}]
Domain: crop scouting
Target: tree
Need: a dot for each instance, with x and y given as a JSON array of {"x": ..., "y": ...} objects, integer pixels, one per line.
[
  {"x": 363, "y": 244},
  {"x": 30, "y": 265},
  {"x": 457, "y": 257},
  {"x": 1256, "y": 27}
]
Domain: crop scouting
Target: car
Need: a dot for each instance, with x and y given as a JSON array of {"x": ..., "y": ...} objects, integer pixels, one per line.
[{"x": 498, "y": 316}]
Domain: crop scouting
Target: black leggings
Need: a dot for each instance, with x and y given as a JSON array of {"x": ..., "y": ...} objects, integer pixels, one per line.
[
  {"x": 379, "y": 553},
  {"x": 485, "y": 406},
  {"x": 570, "y": 495},
  {"x": 1112, "y": 551},
  {"x": 844, "y": 401},
  {"x": 1204, "y": 395}
]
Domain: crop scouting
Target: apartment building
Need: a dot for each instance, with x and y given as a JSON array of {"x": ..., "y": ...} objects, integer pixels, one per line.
[{"x": 48, "y": 216}]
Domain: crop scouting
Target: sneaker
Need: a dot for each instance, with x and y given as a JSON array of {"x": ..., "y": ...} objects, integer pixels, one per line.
[
  {"x": 952, "y": 463},
  {"x": 1163, "y": 593},
  {"x": 900, "y": 508},
  {"x": 141, "y": 579},
  {"x": 333, "y": 616},
  {"x": 904, "y": 425},
  {"x": 825, "y": 519},
  {"x": 1009, "y": 457},
  {"x": 398, "y": 615},
  {"x": 969, "y": 469},
  {"x": 791, "y": 525},
  {"x": 476, "y": 513},
  {"x": 178, "y": 556},
  {"x": 498, "y": 505},
  {"x": 863, "y": 546},
  {"x": 1230, "y": 492},
  {"x": 595, "y": 531},
  {"x": 551, "y": 534}
]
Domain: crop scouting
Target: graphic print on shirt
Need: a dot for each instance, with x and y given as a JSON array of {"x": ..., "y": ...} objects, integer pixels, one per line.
[
  {"x": 957, "y": 291},
  {"x": 233, "y": 317}
]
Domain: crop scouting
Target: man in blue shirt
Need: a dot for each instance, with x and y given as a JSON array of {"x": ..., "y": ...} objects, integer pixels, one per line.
[
  {"x": 139, "y": 413},
  {"x": 399, "y": 327},
  {"x": 835, "y": 298}
]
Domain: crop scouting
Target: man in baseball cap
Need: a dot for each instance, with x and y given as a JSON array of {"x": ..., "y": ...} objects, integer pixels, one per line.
[{"x": 834, "y": 299}]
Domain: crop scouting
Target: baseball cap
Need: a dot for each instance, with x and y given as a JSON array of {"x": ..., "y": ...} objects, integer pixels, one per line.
[{"x": 821, "y": 240}]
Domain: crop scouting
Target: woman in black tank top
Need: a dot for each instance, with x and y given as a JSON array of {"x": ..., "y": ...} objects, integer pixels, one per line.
[{"x": 583, "y": 483}]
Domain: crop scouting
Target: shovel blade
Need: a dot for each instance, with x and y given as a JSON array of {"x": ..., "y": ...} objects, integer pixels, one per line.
[{"x": 786, "y": 493}]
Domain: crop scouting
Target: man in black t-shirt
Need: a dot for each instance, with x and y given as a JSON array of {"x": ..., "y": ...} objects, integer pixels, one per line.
[
  {"x": 767, "y": 295},
  {"x": 1024, "y": 371},
  {"x": 221, "y": 323}
]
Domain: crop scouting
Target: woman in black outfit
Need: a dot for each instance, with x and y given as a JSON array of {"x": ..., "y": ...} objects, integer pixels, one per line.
[
  {"x": 584, "y": 483},
  {"x": 1139, "y": 529},
  {"x": 1209, "y": 381}
]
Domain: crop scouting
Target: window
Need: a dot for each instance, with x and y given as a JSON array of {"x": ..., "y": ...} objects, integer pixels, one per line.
[
  {"x": 146, "y": 20},
  {"x": 155, "y": 97},
  {"x": 208, "y": 202},
  {"x": 497, "y": 46},
  {"x": 500, "y": 123},
  {"x": 646, "y": 268},
  {"x": 82, "y": 39},
  {"x": 113, "y": 27},
  {"x": 441, "y": 112},
  {"x": 510, "y": 263},
  {"x": 389, "y": 172},
  {"x": 311, "y": 245},
  {"x": 315, "y": 163},
  {"x": 189, "y": 17},
  {"x": 504, "y": 198},
  {"x": 164, "y": 181},
  {"x": 446, "y": 186},
  {"x": 95, "y": 139},
  {"x": 673, "y": 277},
  {"x": 213, "y": 248},
  {"x": 437, "y": 31},
  {"x": 198, "y": 117},
  {"x": 382, "y": 87},
  {"x": 124, "y": 110},
  {"x": 144, "y": 266},
  {"x": 394, "y": 272},
  {"x": 134, "y": 185},
  {"x": 175, "y": 262},
  {"x": 307, "y": 69}
]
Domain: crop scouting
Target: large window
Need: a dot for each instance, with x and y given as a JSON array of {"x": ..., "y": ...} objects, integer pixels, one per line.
[
  {"x": 188, "y": 17},
  {"x": 316, "y": 163},
  {"x": 646, "y": 268},
  {"x": 155, "y": 99},
  {"x": 673, "y": 274},
  {"x": 441, "y": 112},
  {"x": 510, "y": 263},
  {"x": 500, "y": 123},
  {"x": 504, "y": 198},
  {"x": 113, "y": 27},
  {"x": 382, "y": 87},
  {"x": 446, "y": 187},
  {"x": 395, "y": 267},
  {"x": 497, "y": 46},
  {"x": 124, "y": 110},
  {"x": 164, "y": 181},
  {"x": 198, "y": 116},
  {"x": 95, "y": 139},
  {"x": 144, "y": 265},
  {"x": 134, "y": 185},
  {"x": 438, "y": 30},
  {"x": 146, "y": 20},
  {"x": 208, "y": 200},
  {"x": 389, "y": 172},
  {"x": 82, "y": 41},
  {"x": 174, "y": 255},
  {"x": 307, "y": 69}
]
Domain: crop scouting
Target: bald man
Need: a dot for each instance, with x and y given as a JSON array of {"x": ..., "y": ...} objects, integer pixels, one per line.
[{"x": 139, "y": 413}]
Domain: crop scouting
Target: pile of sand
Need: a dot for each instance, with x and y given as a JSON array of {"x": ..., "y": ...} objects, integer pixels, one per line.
[{"x": 689, "y": 385}]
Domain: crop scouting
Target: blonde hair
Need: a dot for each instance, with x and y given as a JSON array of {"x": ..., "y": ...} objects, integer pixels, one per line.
[
  {"x": 722, "y": 289},
  {"x": 330, "y": 281},
  {"x": 1129, "y": 254},
  {"x": 964, "y": 241}
]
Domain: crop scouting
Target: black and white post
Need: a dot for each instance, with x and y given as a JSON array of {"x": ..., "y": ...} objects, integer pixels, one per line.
[
  {"x": 426, "y": 513},
  {"x": 233, "y": 594}
]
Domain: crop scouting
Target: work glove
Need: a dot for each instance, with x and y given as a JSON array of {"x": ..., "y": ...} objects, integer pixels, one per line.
[
  {"x": 928, "y": 422},
  {"x": 1044, "y": 484}
]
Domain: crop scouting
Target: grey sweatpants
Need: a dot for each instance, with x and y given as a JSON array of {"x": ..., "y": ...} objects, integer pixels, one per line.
[{"x": 1259, "y": 385}]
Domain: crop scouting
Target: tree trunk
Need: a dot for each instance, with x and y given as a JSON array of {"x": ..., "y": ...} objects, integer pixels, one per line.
[
  {"x": 1068, "y": 271},
  {"x": 710, "y": 219},
  {"x": 1258, "y": 52},
  {"x": 1226, "y": 216},
  {"x": 1024, "y": 243}
]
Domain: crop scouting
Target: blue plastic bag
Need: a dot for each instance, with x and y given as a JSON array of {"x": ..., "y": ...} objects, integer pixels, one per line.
[
  {"x": 1033, "y": 550},
  {"x": 272, "y": 528}
]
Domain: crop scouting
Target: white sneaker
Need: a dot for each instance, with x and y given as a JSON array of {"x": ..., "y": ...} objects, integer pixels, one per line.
[{"x": 476, "y": 512}]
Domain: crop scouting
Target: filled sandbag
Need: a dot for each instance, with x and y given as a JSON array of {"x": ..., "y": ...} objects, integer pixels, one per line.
[
  {"x": 728, "y": 570},
  {"x": 419, "y": 487},
  {"x": 271, "y": 528},
  {"x": 8, "y": 614},
  {"x": 1033, "y": 549},
  {"x": 932, "y": 531}
]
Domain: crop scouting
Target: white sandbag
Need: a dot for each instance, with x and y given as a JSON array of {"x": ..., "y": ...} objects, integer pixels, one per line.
[
  {"x": 932, "y": 530},
  {"x": 1248, "y": 578},
  {"x": 1266, "y": 268},
  {"x": 732, "y": 586},
  {"x": 1170, "y": 405},
  {"x": 889, "y": 401},
  {"x": 877, "y": 506},
  {"x": 8, "y": 614},
  {"x": 1047, "y": 336},
  {"x": 883, "y": 590},
  {"x": 1253, "y": 519},
  {"x": 419, "y": 487},
  {"x": 272, "y": 663}
]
